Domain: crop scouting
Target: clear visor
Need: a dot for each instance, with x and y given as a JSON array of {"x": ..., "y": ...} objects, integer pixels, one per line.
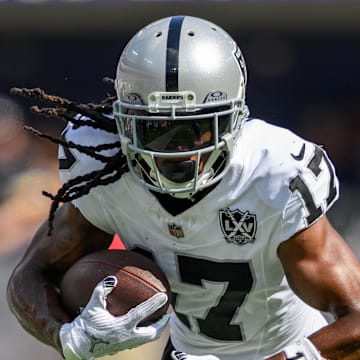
[{"x": 185, "y": 132}]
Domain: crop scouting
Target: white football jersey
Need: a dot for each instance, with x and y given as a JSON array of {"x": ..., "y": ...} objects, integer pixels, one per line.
[{"x": 231, "y": 297}]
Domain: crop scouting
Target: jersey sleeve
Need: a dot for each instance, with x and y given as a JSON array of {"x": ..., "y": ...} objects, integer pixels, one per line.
[
  {"x": 292, "y": 178},
  {"x": 312, "y": 190},
  {"x": 74, "y": 165}
]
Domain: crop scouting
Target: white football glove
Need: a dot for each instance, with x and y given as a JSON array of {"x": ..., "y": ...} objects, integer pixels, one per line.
[
  {"x": 96, "y": 332},
  {"x": 303, "y": 350},
  {"x": 179, "y": 355}
]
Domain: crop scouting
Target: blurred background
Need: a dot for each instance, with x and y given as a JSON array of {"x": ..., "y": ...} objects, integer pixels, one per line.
[{"x": 303, "y": 60}]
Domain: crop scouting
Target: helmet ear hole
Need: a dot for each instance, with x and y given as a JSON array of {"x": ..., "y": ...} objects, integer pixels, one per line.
[{"x": 191, "y": 33}]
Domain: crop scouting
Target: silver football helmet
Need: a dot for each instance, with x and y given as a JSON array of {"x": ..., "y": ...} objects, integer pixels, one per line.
[{"x": 180, "y": 85}]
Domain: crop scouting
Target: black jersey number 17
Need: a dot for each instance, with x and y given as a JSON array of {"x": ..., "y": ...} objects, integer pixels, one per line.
[
  {"x": 298, "y": 184},
  {"x": 237, "y": 281},
  {"x": 68, "y": 161}
]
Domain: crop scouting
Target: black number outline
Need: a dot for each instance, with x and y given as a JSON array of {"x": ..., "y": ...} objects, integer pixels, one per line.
[
  {"x": 70, "y": 159},
  {"x": 298, "y": 184}
]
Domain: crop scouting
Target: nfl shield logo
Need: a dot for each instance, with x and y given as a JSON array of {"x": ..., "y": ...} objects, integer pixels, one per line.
[
  {"x": 238, "y": 227},
  {"x": 176, "y": 230}
]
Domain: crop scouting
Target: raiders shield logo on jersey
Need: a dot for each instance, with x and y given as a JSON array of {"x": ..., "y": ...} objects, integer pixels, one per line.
[{"x": 238, "y": 227}]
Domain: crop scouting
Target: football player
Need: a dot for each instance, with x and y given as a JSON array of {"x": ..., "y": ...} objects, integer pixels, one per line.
[{"x": 231, "y": 207}]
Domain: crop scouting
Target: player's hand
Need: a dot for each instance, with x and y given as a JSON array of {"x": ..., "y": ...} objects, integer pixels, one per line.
[
  {"x": 179, "y": 355},
  {"x": 96, "y": 332}
]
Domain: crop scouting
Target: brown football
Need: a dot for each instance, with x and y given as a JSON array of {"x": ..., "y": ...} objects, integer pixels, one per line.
[{"x": 138, "y": 277}]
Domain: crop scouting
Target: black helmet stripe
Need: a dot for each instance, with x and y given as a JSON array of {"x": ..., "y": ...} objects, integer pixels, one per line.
[{"x": 172, "y": 53}]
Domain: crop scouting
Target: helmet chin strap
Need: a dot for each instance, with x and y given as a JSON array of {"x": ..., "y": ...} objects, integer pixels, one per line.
[
  {"x": 178, "y": 171},
  {"x": 206, "y": 175},
  {"x": 184, "y": 174}
]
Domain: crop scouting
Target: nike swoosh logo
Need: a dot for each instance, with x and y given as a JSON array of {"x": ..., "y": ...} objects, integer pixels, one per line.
[{"x": 301, "y": 154}]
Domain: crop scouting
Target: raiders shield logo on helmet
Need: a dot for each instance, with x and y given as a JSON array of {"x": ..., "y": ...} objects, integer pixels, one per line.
[{"x": 238, "y": 227}]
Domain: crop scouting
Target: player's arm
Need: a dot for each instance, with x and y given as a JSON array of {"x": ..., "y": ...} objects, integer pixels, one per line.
[
  {"x": 32, "y": 295},
  {"x": 325, "y": 273}
]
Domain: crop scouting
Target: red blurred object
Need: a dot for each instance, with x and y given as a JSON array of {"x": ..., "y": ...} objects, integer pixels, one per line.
[{"x": 117, "y": 243}]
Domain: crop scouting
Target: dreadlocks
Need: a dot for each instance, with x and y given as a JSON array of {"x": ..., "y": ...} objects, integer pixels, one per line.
[{"x": 114, "y": 166}]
